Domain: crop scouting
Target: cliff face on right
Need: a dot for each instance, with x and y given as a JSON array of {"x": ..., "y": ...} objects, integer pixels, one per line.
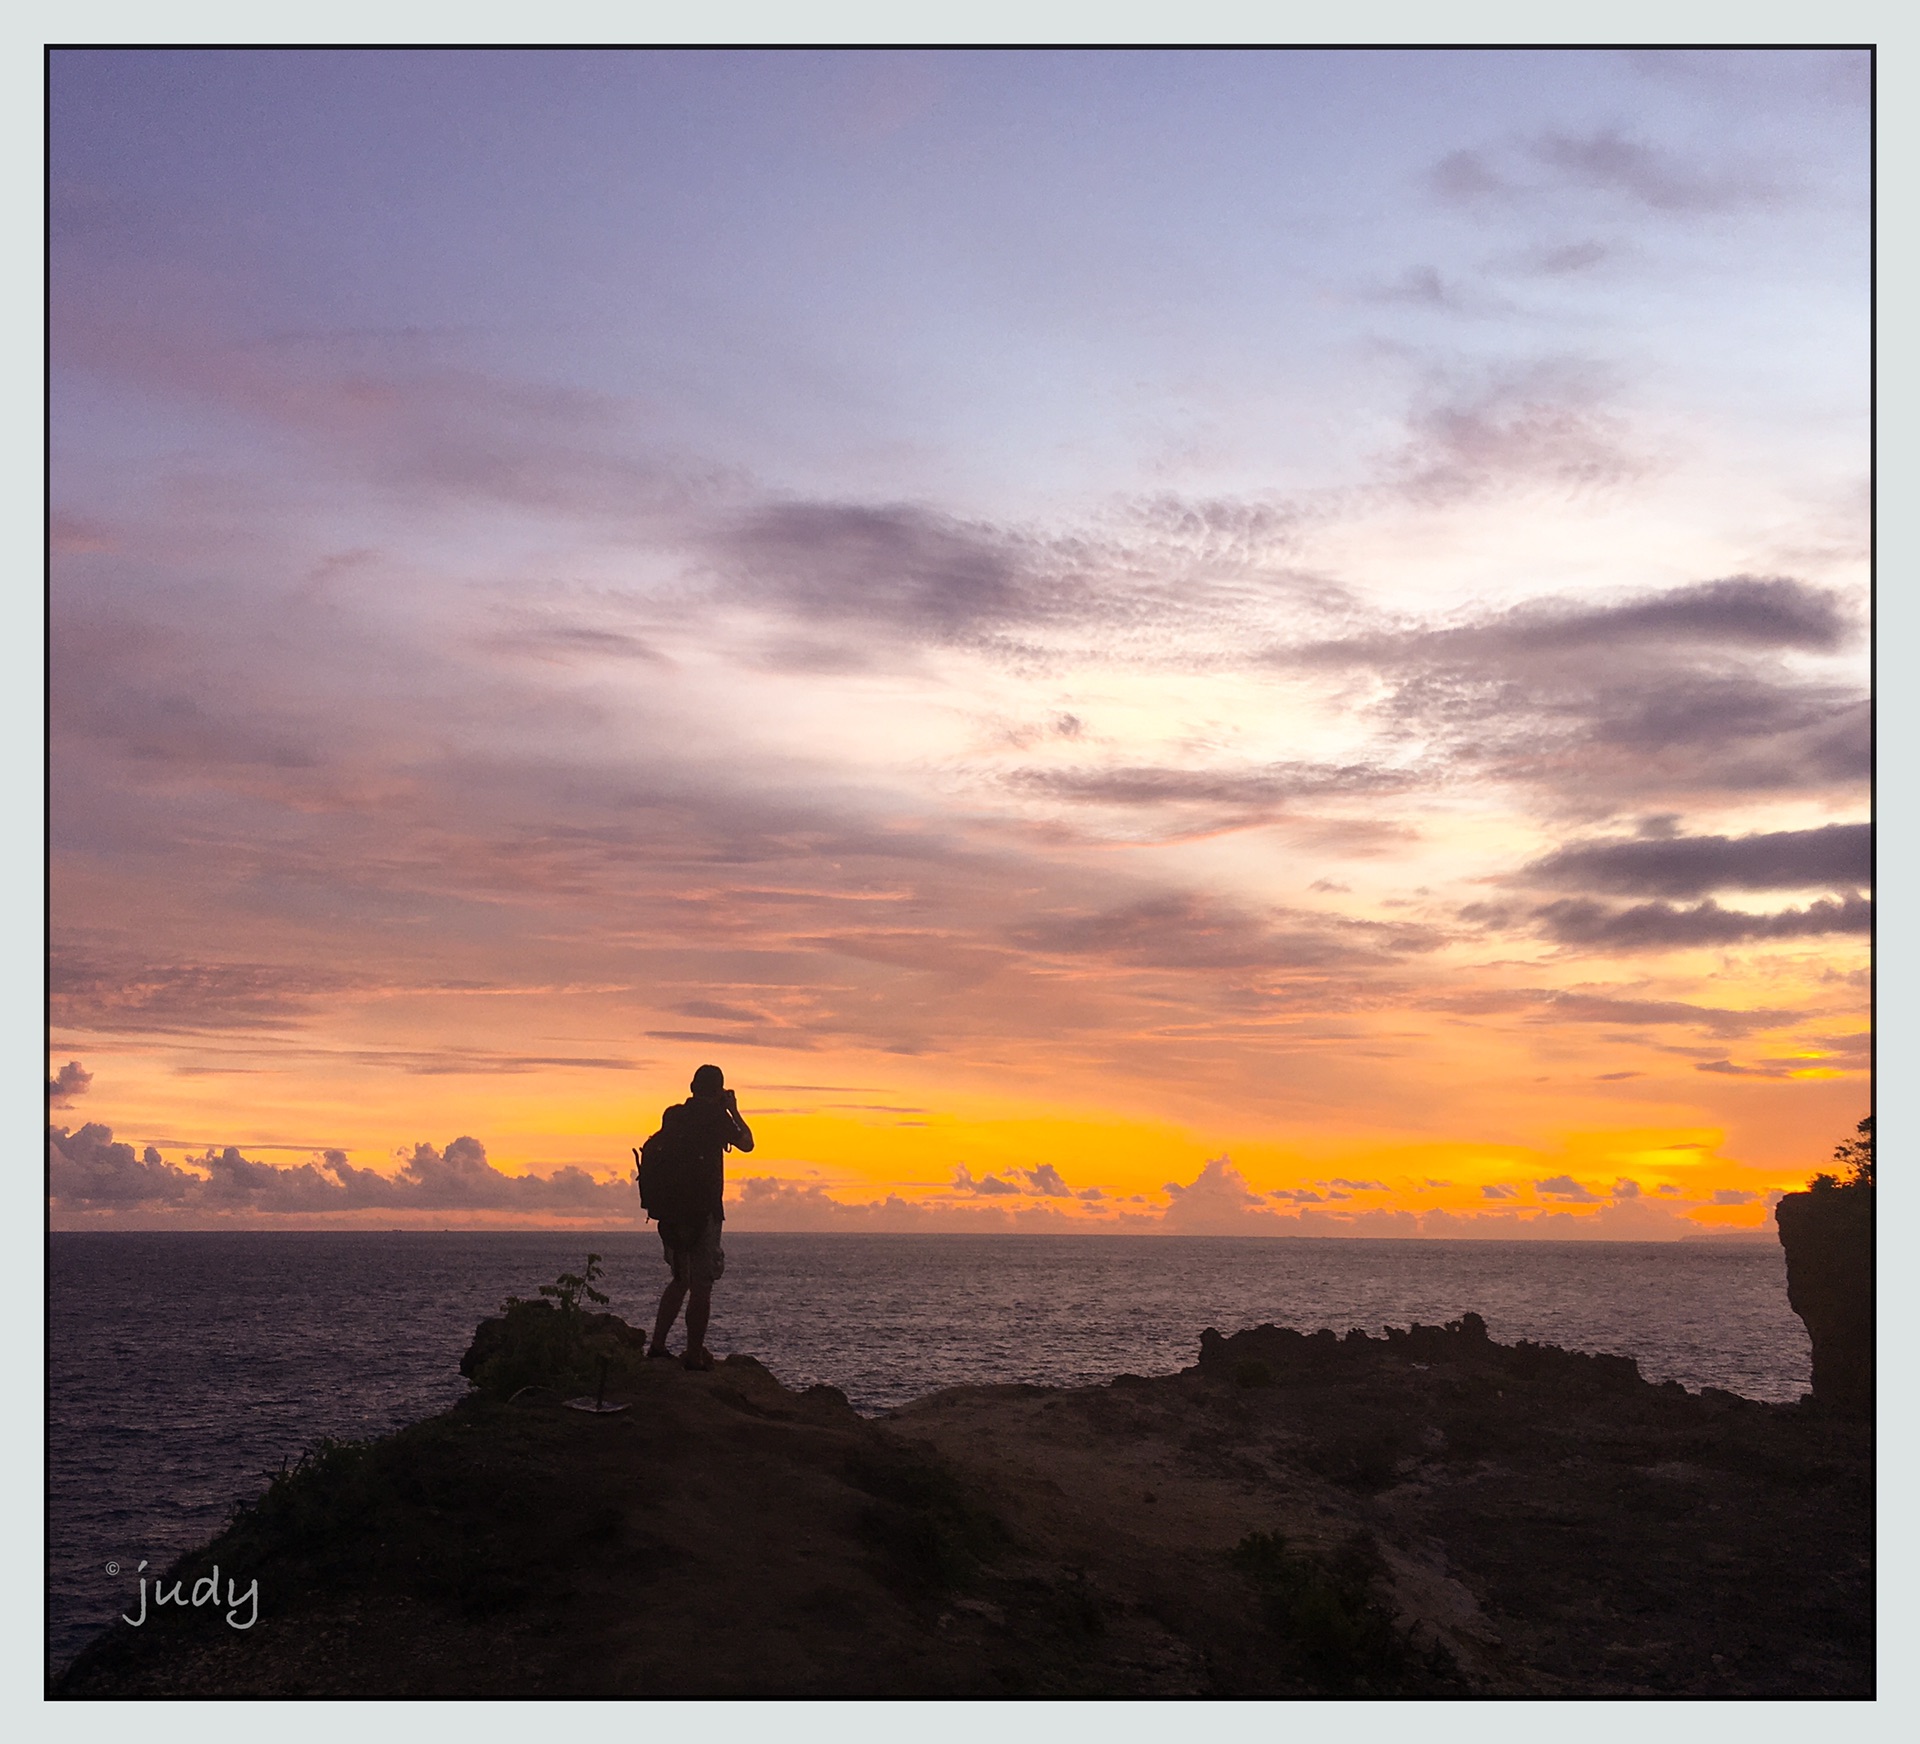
[{"x": 1828, "y": 1236}]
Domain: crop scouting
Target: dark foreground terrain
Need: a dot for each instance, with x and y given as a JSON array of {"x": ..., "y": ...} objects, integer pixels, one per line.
[{"x": 1427, "y": 1514}]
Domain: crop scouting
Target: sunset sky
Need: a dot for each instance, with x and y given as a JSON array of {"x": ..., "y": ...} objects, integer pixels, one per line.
[{"x": 1190, "y": 641}]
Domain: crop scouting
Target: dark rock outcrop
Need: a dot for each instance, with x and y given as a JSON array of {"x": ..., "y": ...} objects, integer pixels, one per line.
[
  {"x": 1828, "y": 1236},
  {"x": 1428, "y": 1513}
]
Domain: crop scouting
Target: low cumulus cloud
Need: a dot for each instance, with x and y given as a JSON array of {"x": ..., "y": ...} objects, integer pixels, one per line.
[
  {"x": 1565, "y": 1187},
  {"x": 987, "y": 1186},
  {"x": 1046, "y": 1182},
  {"x": 768, "y": 1202},
  {"x": 65, "y": 1085},
  {"x": 772, "y": 1203},
  {"x": 89, "y": 1171},
  {"x": 1218, "y": 1201}
]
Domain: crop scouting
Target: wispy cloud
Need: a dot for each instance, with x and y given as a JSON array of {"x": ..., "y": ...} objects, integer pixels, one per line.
[
  {"x": 1547, "y": 425},
  {"x": 1606, "y": 163}
]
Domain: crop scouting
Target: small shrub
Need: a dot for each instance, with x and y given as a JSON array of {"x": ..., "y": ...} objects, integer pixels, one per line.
[
  {"x": 1252, "y": 1372},
  {"x": 935, "y": 1534},
  {"x": 1328, "y": 1622},
  {"x": 542, "y": 1340}
]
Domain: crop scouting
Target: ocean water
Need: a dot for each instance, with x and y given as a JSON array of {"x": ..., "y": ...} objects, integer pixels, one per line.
[{"x": 183, "y": 1368}]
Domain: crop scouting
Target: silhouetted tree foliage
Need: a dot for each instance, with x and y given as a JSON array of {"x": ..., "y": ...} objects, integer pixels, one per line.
[{"x": 1856, "y": 1154}]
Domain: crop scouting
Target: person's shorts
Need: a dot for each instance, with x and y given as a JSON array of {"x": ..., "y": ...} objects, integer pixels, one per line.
[{"x": 699, "y": 1261}]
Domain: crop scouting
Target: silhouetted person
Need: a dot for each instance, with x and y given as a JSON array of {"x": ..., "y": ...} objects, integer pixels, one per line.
[{"x": 710, "y": 1120}]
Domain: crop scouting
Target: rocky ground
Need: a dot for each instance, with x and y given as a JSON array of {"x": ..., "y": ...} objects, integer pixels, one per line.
[{"x": 1425, "y": 1514}]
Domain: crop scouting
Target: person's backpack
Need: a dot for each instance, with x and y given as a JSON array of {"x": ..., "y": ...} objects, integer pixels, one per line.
[{"x": 667, "y": 1168}]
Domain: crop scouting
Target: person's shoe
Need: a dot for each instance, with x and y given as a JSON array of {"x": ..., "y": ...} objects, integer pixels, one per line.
[
  {"x": 659, "y": 1350},
  {"x": 697, "y": 1359}
]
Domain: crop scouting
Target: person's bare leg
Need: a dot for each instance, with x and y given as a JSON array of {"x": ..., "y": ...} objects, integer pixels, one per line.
[
  {"x": 699, "y": 1307},
  {"x": 670, "y": 1299}
]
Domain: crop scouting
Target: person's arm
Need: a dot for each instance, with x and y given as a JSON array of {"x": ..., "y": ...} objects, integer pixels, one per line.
[{"x": 742, "y": 1139}]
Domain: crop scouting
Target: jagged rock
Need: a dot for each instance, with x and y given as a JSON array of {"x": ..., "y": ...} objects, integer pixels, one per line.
[
  {"x": 1427, "y": 1513},
  {"x": 1828, "y": 1237},
  {"x": 493, "y": 1337}
]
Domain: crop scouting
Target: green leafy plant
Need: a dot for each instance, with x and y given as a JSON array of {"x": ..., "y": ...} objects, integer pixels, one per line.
[{"x": 542, "y": 1340}]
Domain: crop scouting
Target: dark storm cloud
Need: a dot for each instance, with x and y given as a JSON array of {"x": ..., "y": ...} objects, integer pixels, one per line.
[
  {"x": 1835, "y": 855},
  {"x": 1652, "y": 926},
  {"x": 91, "y": 1172}
]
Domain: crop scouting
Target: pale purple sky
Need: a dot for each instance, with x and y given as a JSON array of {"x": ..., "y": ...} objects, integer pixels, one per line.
[{"x": 1101, "y": 574}]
